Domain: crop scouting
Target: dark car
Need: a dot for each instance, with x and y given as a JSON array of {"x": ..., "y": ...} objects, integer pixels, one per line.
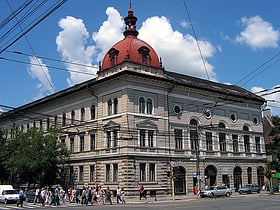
[
  {"x": 215, "y": 191},
  {"x": 250, "y": 188},
  {"x": 30, "y": 195}
]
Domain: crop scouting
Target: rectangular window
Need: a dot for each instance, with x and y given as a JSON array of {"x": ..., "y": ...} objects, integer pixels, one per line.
[
  {"x": 108, "y": 139},
  {"x": 142, "y": 137},
  {"x": 194, "y": 139},
  {"x": 178, "y": 133},
  {"x": 247, "y": 143},
  {"x": 258, "y": 144},
  {"x": 72, "y": 143},
  {"x": 142, "y": 172},
  {"x": 151, "y": 138},
  {"x": 209, "y": 141},
  {"x": 235, "y": 143},
  {"x": 81, "y": 173},
  {"x": 82, "y": 143},
  {"x": 115, "y": 172},
  {"x": 107, "y": 173},
  {"x": 92, "y": 141},
  {"x": 115, "y": 138},
  {"x": 91, "y": 173},
  {"x": 222, "y": 141},
  {"x": 71, "y": 174},
  {"x": 152, "y": 172}
]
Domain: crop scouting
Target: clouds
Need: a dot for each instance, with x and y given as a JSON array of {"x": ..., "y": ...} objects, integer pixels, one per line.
[
  {"x": 37, "y": 70},
  {"x": 258, "y": 33},
  {"x": 72, "y": 45}
]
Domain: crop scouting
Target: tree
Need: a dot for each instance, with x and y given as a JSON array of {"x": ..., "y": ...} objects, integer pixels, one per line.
[{"x": 34, "y": 156}]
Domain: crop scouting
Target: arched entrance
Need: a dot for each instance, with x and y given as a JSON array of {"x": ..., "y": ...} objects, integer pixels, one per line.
[
  {"x": 237, "y": 177},
  {"x": 179, "y": 181},
  {"x": 210, "y": 175},
  {"x": 260, "y": 174}
]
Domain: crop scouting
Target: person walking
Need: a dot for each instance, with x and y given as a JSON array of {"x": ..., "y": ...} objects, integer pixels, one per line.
[
  {"x": 142, "y": 192},
  {"x": 21, "y": 198},
  {"x": 37, "y": 195},
  {"x": 118, "y": 194},
  {"x": 108, "y": 195},
  {"x": 122, "y": 197}
]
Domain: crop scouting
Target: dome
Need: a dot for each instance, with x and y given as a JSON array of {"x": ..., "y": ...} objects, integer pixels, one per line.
[{"x": 131, "y": 48}]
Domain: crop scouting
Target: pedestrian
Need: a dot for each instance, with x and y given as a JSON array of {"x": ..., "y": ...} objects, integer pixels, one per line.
[
  {"x": 37, "y": 195},
  {"x": 142, "y": 192},
  {"x": 100, "y": 196},
  {"x": 122, "y": 197},
  {"x": 108, "y": 195},
  {"x": 21, "y": 198},
  {"x": 118, "y": 194}
]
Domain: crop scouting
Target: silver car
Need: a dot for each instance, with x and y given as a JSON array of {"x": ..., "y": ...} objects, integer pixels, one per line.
[{"x": 215, "y": 191}]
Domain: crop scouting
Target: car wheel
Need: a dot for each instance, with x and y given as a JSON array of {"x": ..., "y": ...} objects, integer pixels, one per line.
[
  {"x": 6, "y": 201},
  {"x": 240, "y": 192},
  {"x": 249, "y": 192},
  {"x": 212, "y": 195},
  {"x": 26, "y": 199},
  {"x": 258, "y": 191},
  {"x": 227, "y": 194}
]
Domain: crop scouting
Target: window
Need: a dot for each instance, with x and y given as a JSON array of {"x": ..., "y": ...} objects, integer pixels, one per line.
[
  {"x": 152, "y": 172},
  {"x": 149, "y": 106},
  {"x": 249, "y": 174},
  {"x": 233, "y": 117},
  {"x": 115, "y": 172},
  {"x": 55, "y": 121},
  {"x": 142, "y": 172},
  {"x": 41, "y": 125},
  {"x": 113, "y": 55},
  {"x": 115, "y": 106},
  {"x": 91, "y": 173},
  {"x": 82, "y": 114},
  {"x": 72, "y": 143},
  {"x": 177, "y": 109},
  {"x": 144, "y": 52},
  {"x": 209, "y": 141},
  {"x": 72, "y": 117},
  {"x": 247, "y": 143},
  {"x": 115, "y": 139},
  {"x": 150, "y": 138},
  {"x": 48, "y": 124},
  {"x": 108, "y": 142},
  {"x": 258, "y": 144},
  {"x": 193, "y": 134},
  {"x": 81, "y": 173},
  {"x": 63, "y": 119},
  {"x": 107, "y": 173},
  {"x": 142, "y": 137},
  {"x": 71, "y": 174},
  {"x": 222, "y": 137},
  {"x": 92, "y": 112},
  {"x": 235, "y": 143},
  {"x": 92, "y": 141},
  {"x": 82, "y": 143},
  {"x": 141, "y": 105},
  {"x": 109, "y": 107},
  {"x": 178, "y": 133}
]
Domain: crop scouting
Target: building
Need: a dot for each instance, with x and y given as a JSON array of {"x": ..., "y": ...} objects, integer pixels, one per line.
[{"x": 137, "y": 123}]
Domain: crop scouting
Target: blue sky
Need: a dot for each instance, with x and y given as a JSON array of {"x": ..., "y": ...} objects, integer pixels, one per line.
[{"x": 239, "y": 41}]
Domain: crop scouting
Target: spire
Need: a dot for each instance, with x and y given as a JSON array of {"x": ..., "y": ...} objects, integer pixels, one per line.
[{"x": 130, "y": 22}]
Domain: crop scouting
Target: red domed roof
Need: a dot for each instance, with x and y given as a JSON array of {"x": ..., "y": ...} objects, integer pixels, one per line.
[{"x": 131, "y": 48}]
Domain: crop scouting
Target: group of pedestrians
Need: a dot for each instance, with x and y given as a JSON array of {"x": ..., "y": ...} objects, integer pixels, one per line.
[
  {"x": 95, "y": 195},
  {"x": 48, "y": 196}
]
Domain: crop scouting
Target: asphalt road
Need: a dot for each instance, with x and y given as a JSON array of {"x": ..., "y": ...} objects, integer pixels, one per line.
[{"x": 244, "y": 202}]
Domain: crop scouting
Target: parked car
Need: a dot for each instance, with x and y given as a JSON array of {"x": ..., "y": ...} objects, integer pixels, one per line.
[
  {"x": 250, "y": 188},
  {"x": 9, "y": 196},
  {"x": 215, "y": 191},
  {"x": 30, "y": 195}
]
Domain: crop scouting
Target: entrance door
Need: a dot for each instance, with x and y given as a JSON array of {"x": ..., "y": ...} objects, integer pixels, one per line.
[
  {"x": 237, "y": 178},
  {"x": 210, "y": 175},
  {"x": 179, "y": 181}
]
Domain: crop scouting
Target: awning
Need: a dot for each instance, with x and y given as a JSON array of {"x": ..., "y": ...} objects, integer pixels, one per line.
[{"x": 277, "y": 175}]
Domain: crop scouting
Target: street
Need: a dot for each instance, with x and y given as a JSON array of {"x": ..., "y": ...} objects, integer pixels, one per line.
[{"x": 240, "y": 202}]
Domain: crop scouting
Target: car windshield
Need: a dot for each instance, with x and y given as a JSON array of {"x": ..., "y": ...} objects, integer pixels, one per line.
[
  {"x": 8, "y": 192},
  {"x": 248, "y": 186}
]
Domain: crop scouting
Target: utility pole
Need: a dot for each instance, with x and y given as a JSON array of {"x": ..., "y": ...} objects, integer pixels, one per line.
[{"x": 198, "y": 184}]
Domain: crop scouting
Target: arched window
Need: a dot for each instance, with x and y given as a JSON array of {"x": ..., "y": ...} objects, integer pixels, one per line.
[
  {"x": 193, "y": 134},
  {"x": 73, "y": 117},
  {"x": 115, "y": 106},
  {"x": 222, "y": 137},
  {"x": 113, "y": 55},
  {"x": 63, "y": 119},
  {"x": 92, "y": 112},
  {"x": 82, "y": 114},
  {"x": 149, "y": 106},
  {"x": 144, "y": 52},
  {"x": 141, "y": 105},
  {"x": 109, "y": 107}
]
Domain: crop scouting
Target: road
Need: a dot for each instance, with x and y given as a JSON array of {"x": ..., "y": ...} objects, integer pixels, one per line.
[{"x": 244, "y": 202}]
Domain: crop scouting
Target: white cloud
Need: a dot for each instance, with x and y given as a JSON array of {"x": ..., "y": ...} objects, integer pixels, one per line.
[
  {"x": 71, "y": 44},
  {"x": 258, "y": 33},
  {"x": 38, "y": 70},
  {"x": 179, "y": 52},
  {"x": 109, "y": 33},
  {"x": 184, "y": 24}
]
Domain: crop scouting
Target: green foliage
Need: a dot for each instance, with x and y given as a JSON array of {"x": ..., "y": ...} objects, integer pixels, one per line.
[{"x": 34, "y": 156}]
